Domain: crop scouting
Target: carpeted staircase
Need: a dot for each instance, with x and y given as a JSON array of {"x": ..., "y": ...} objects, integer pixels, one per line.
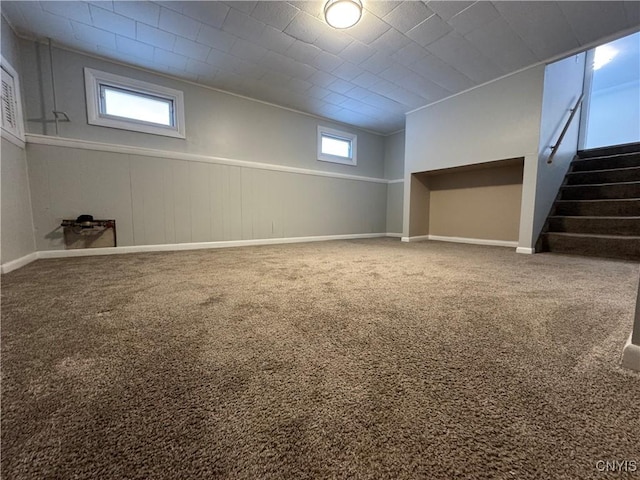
[{"x": 597, "y": 211}]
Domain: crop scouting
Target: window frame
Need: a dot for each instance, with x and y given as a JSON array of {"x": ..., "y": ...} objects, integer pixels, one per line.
[
  {"x": 17, "y": 135},
  {"x": 95, "y": 80},
  {"x": 339, "y": 135}
]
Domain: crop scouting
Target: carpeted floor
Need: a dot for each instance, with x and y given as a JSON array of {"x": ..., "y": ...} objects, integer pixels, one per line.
[{"x": 366, "y": 359}]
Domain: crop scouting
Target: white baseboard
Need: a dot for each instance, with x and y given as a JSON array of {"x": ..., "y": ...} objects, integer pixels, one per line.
[
  {"x": 525, "y": 250},
  {"x": 18, "y": 263},
  {"x": 474, "y": 241},
  {"x": 393, "y": 235},
  {"x": 416, "y": 238},
  {"x": 631, "y": 356},
  {"x": 171, "y": 247}
]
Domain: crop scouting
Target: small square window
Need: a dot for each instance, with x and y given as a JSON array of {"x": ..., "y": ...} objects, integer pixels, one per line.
[
  {"x": 336, "y": 146},
  {"x": 120, "y": 102}
]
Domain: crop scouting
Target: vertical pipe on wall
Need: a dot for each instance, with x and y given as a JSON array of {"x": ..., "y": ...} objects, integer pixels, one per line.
[{"x": 53, "y": 87}]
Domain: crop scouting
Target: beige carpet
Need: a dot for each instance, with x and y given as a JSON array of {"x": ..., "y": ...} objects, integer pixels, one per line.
[{"x": 367, "y": 359}]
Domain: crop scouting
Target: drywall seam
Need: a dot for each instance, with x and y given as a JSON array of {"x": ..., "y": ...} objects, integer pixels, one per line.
[{"x": 37, "y": 139}]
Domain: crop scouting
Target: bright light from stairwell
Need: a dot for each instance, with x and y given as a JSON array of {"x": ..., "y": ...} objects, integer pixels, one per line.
[{"x": 603, "y": 55}]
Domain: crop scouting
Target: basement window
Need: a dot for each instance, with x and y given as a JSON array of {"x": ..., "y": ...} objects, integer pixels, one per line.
[
  {"x": 11, "y": 105},
  {"x": 336, "y": 146},
  {"x": 128, "y": 104}
]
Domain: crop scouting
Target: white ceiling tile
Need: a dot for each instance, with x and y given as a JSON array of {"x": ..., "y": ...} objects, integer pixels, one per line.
[
  {"x": 133, "y": 47},
  {"x": 477, "y": 15},
  {"x": 273, "y": 39},
  {"x": 154, "y": 36},
  {"x": 326, "y": 62},
  {"x": 358, "y": 93},
  {"x": 333, "y": 41},
  {"x": 423, "y": 87},
  {"x": 314, "y": 8},
  {"x": 113, "y": 22},
  {"x": 347, "y": 71},
  {"x": 365, "y": 80},
  {"x": 77, "y": 11},
  {"x": 178, "y": 24},
  {"x": 175, "y": 5},
  {"x": 499, "y": 42},
  {"x": 191, "y": 49},
  {"x": 276, "y": 14},
  {"x": 173, "y": 60},
  {"x": 93, "y": 36},
  {"x": 356, "y": 52},
  {"x": 390, "y": 41},
  {"x": 340, "y": 86},
  {"x": 302, "y": 52},
  {"x": 409, "y": 54},
  {"x": 145, "y": 12},
  {"x": 323, "y": 79},
  {"x": 447, "y": 9},
  {"x": 211, "y": 13},
  {"x": 592, "y": 20},
  {"x": 464, "y": 57},
  {"x": 396, "y": 72},
  {"x": 32, "y": 18},
  {"x": 106, "y": 4},
  {"x": 305, "y": 28},
  {"x": 541, "y": 25},
  {"x": 318, "y": 92},
  {"x": 242, "y": 6},
  {"x": 220, "y": 60},
  {"x": 243, "y": 26},
  {"x": 378, "y": 62},
  {"x": 441, "y": 73},
  {"x": 429, "y": 31},
  {"x": 200, "y": 68},
  {"x": 380, "y": 7},
  {"x": 247, "y": 70},
  {"x": 407, "y": 15},
  {"x": 215, "y": 38},
  {"x": 248, "y": 51},
  {"x": 298, "y": 85},
  {"x": 298, "y": 69},
  {"x": 335, "y": 98},
  {"x": 368, "y": 28},
  {"x": 276, "y": 78}
]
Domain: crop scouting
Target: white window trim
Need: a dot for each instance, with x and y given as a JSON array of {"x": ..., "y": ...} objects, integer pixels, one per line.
[
  {"x": 325, "y": 157},
  {"x": 17, "y": 138},
  {"x": 94, "y": 78}
]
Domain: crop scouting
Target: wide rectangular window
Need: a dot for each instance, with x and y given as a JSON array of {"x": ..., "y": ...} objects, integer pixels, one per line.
[
  {"x": 128, "y": 104},
  {"x": 337, "y": 146}
]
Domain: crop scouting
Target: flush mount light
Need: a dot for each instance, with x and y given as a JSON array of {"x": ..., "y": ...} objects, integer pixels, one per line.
[{"x": 343, "y": 13}]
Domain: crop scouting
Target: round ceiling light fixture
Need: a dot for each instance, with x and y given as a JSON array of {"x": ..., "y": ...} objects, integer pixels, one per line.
[{"x": 343, "y": 13}]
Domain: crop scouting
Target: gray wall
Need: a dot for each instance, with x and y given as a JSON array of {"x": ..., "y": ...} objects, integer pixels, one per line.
[
  {"x": 16, "y": 232},
  {"x": 160, "y": 199},
  {"x": 217, "y": 123},
  {"x": 394, "y": 170},
  {"x": 16, "y": 229},
  {"x": 497, "y": 121},
  {"x": 562, "y": 87}
]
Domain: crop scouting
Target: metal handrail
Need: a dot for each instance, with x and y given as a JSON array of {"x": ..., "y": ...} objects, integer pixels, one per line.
[{"x": 554, "y": 148}]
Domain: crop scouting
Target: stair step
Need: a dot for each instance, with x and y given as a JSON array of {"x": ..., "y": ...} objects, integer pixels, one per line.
[
  {"x": 600, "y": 191},
  {"x": 595, "y": 225},
  {"x": 628, "y": 174},
  {"x": 610, "y": 150},
  {"x": 608, "y": 246},
  {"x": 617, "y": 207},
  {"x": 606, "y": 162}
]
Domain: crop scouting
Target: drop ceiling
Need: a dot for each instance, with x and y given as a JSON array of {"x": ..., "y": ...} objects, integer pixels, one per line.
[{"x": 401, "y": 56}]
